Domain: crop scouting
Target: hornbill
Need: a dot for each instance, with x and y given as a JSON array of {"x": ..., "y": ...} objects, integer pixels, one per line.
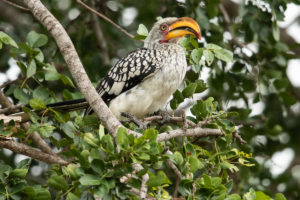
[{"x": 141, "y": 82}]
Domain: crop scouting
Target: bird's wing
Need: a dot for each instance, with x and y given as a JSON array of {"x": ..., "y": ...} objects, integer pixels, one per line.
[{"x": 129, "y": 72}]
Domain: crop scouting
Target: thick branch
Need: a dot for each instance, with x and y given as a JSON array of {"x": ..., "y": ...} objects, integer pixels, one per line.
[
  {"x": 38, "y": 140},
  {"x": 4, "y": 101},
  {"x": 195, "y": 132},
  {"x": 74, "y": 64},
  {"x": 11, "y": 108},
  {"x": 31, "y": 152}
]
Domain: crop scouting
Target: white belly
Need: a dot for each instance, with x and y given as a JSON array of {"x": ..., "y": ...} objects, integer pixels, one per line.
[{"x": 153, "y": 93}]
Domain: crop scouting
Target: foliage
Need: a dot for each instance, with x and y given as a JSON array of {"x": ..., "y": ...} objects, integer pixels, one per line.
[{"x": 211, "y": 167}]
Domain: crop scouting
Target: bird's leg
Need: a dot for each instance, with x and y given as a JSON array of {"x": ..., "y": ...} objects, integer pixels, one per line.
[{"x": 134, "y": 119}]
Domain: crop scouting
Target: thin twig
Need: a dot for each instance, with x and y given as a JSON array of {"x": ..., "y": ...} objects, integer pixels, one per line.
[
  {"x": 11, "y": 82},
  {"x": 236, "y": 135},
  {"x": 99, "y": 37},
  {"x": 106, "y": 19},
  {"x": 173, "y": 166},
  {"x": 15, "y": 5}
]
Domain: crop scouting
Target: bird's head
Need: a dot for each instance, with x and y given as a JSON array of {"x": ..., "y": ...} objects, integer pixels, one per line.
[{"x": 170, "y": 30}]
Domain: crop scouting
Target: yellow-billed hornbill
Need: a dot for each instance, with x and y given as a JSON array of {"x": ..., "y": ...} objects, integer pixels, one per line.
[{"x": 141, "y": 82}]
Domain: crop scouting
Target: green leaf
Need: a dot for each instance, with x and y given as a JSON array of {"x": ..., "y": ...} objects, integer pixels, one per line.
[
  {"x": 59, "y": 116},
  {"x": 195, "y": 163},
  {"x": 40, "y": 93},
  {"x": 66, "y": 80},
  {"x": 37, "y": 104},
  {"x": 233, "y": 197},
  {"x": 142, "y": 30},
  {"x": 227, "y": 165},
  {"x": 201, "y": 86},
  {"x": 46, "y": 130},
  {"x": 139, "y": 37},
  {"x": 288, "y": 98},
  {"x": 280, "y": 196},
  {"x": 24, "y": 164},
  {"x": 178, "y": 96},
  {"x": 31, "y": 69},
  {"x": 90, "y": 139},
  {"x": 189, "y": 90},
  {"x": 178, "y": 157},
  {"x": 158, "y": 180},
  {"x": 35, "y": 39},
  {"x": 275, "y": 30},
  {"x": 72, "y": 196},
  {"x": 107, "y": 143},
  {"x": 151, "y": 134},
  {"x": 21, "y": 95},
  {"x": 40, "y": 56},
  {"x": 51, "y": 74},
  {"x": 207, "y": 181},
  {"x": 281, "y": 83},
  {"x": 224, "y": 54},
  {"x": 122, "y": 137},
  {"x": 209, "y": 57},
  {"x": 18, "y": 173},
  {"x": 72, "y": 171},
  {"x": 249, "y": 195},
  {"x": 213, "y": 47},
  {"x": 144, "y": 156},
  {"x": 89, "y": 179},
  {"x": 6, "y": 39},
  {"x": 259, "y": 195},
  {"x": 98, "y": 166},
  {"x": 68, "y": 128},
  {"x": 42, "y": 193},
  {"x": 196, "y": 55},
  {"x": 57, "y": 182}
]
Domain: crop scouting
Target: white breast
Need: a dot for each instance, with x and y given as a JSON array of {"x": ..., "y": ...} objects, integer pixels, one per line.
[{"x": 153, "y": 93}]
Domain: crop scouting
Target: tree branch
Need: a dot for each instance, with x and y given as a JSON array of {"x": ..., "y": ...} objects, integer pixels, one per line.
[
  {"x": 15, "y": 5},
  {"x": 10, "y": 108},
  {"x": 106, "y": 19},
  {"x": 31, "y": 152},
  {"x": 68, "y": 51},
  {"x": 172, "y": 119},
  {"x": 99, "y": 37},
  {"x": 145, "y": 178},
  {"x": 194, "y": 132}
]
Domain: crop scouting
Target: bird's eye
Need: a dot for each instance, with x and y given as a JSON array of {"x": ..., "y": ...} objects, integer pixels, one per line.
[{"x": 163, "y": 27}]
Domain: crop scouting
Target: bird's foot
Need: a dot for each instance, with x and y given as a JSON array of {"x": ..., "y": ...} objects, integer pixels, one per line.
[
  {"x": 135, "y": 120},
  {"x": 166, "y": 117}
]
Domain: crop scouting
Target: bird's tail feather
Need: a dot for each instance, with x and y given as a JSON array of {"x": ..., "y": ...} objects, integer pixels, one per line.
[
  {"x": 66, "y": 106},
  {"x": 70, "y": 105}
]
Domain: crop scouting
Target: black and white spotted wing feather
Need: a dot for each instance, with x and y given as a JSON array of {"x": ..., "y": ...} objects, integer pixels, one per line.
[{"x": 129, "y": 72}]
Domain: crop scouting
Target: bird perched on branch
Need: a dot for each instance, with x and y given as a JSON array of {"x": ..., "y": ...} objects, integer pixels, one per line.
[{"x": 141, "y": 82}]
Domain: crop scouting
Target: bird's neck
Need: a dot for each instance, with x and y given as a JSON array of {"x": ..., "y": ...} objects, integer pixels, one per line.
[{"x": 159, "y": 45}]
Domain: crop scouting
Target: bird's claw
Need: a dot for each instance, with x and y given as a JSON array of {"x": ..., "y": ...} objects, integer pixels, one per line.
[{"x": 166, "y": 117}]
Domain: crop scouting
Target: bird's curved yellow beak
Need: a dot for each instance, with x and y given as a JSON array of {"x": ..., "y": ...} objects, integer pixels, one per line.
[{"x": 182, "y": 27}]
